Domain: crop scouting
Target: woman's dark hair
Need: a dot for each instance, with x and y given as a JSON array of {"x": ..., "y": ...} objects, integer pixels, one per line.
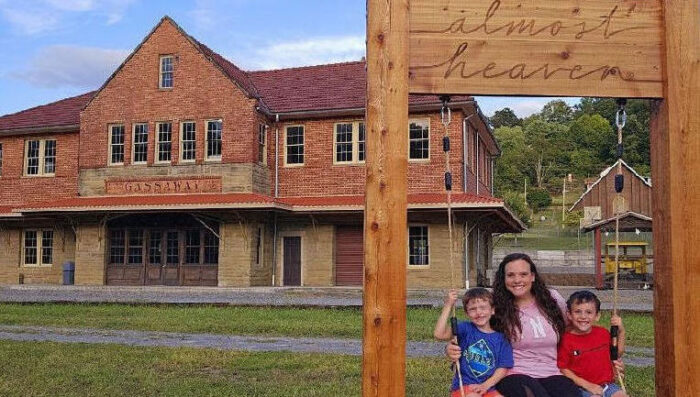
[{"x": 506, "y": 319}]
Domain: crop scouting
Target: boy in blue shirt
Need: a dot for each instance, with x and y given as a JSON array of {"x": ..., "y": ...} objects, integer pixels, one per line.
[{"x": 486, "y": 354}]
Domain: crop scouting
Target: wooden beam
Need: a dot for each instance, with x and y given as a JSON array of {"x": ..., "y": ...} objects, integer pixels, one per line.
[
  {"x": 606, "y": 48},
  {"x": 384, "y": 306},
  {"x": 675, "y": 150}
]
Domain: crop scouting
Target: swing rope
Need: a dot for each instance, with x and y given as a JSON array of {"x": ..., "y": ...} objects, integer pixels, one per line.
[
  {"x": 620, "y": 121},
  {"x": 446, "y": 118}
]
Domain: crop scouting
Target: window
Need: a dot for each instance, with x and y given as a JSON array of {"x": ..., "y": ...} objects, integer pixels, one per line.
[
  {"x": 192, "y": 244},
  {"x": 117, "y": 245},
  {"x": 140, "y": 154},
  {"x": 349, "y": 143},
  {"x": 116, "y": 144},
  {"x": 164, "y": 142},
  {"x": 294, "y": 145},
  {"x": 211, "y": 248},
  {"x": 259, "y": 246},
  {"x": 155, "y": 251},
  {"x": 172, "y": 252},
  {"x": 166, "y": 71},
  {"x": 262, "y": 143},
  {"x": 214, "y": 140},
  {"x": 418, "y": 254},
  {"x": 135, "y": 250},
  {"x": 0, "y": 159},
  {"x": 419, "y": 142},
  {"x": 38, "y": 247},
  {"x": 188, "y": 144},
  {"x": 40, "y": 157}
]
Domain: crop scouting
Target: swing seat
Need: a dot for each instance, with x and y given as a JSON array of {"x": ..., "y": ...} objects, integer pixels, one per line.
[{"x": 456, "y": 393}]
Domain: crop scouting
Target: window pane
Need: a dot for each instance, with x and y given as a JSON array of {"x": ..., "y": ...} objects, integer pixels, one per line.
[
  {"x": 189, "y": 137},
  {"x": 154, "y": 247},
  {"x": 211, "y": 248},
  {"x": 135, "y": 247},
  {"x": 192, "y": 245},
  {"x": 164, "y": 141},
  {"x": 33, "y": 158},
  {"x": 361, "y": 143},
  {"x": 117, "y": 144},
  {"x": 213, "y": 138},
  {"x": 166, "y": 72},
  {"x": 140, "y": 143},
  {"x": 419, "y": 142},
  {"x": 262, "y": 138},
  {"x": 49, "y": 157},
  {"x": 47, "y": 247},
  {"x": 418, "y": 245},
  {"x": 173, "y": 248},
  {"x": 295, "y": 145},
  {"x": 30, "y": 246},
  {"x": 343, "y": 142},
  {"x": 0, "y": 159},
  {"x": 116, "y": 247}
]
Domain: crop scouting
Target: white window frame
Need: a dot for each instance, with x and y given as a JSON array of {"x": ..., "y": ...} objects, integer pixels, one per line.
[
  {"x": 42, "y": 158},
  {"x": 426, "y": 122},
  {"x": 156, "y": 156},
  {"x": 134, "y": 143},
  {"x": 39, "y": 247},
  {"x": 208, "y": 157},
  {"x": 408, "y": 246},
  {"x": 161, "y": 72},
  {"x": 110, "y": 148},
  {"x": 183, "y": 141},
  {"x": 262, "y": 143},
  {"x": 303, "y": 145},
  {"x": 354, "y": 141}
]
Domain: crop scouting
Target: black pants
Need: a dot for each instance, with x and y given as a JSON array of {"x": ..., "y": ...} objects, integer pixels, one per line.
[{"x": 526, "y": 386}]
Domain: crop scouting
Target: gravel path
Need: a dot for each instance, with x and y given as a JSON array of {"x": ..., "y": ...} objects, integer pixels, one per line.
[
  {"x": 631, "y": 300},
  {"x": 635, "y": 356}
]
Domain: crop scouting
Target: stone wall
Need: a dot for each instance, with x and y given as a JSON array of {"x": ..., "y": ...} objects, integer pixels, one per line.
[
  {"x": 571, "y": 267},
  {"x": 90, "y": 252}
]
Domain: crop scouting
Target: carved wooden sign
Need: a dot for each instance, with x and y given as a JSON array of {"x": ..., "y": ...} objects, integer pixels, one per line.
[
  {"x": 162, "y": 186},
  {"x": 607, "y": 48}
]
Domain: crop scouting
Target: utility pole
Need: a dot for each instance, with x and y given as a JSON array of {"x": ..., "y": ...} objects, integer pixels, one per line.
[{"x": 563, "y": 203}]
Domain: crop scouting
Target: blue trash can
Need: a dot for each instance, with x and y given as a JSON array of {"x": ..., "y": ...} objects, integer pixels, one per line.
[{"x": 68, "y": 273}]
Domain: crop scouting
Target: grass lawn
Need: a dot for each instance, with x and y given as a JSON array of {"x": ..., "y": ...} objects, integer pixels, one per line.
[
  {"x": 31, "y": 369},
  {"x": 340, "y": 323}
]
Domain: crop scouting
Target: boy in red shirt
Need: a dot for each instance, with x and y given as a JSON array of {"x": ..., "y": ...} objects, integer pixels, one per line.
[{"x": 584, "y": 351}]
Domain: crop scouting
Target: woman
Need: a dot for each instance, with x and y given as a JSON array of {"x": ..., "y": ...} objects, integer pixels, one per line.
[{"x": 532, "y": 318}]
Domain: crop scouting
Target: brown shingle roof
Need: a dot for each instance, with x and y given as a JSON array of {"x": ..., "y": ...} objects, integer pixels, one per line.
[
  {"x": 321, "y": 87},
  {"x": 65, "y": 112}
]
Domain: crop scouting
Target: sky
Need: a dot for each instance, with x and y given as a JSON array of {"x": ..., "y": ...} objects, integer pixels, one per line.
[{"x": 53, "y": 49}]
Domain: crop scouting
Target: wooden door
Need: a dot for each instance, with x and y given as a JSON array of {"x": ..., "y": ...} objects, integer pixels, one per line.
[
  {"x": 292, "y": 261},
  {"x": 154, "y": 258},
  {"x": 349, "y": 256}
]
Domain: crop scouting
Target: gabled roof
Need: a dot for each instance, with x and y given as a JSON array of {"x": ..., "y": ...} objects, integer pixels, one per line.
[
  {"x": 63, "y": 113},
  {"x": 231, "y": 71},
  {"x": 605, "y": 173}
]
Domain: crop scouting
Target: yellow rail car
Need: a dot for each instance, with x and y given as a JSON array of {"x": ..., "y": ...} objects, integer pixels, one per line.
[{"x": 633, "y": 259}]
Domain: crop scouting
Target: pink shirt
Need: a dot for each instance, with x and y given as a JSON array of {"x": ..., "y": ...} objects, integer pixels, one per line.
[{"x": 535, "y": 354}]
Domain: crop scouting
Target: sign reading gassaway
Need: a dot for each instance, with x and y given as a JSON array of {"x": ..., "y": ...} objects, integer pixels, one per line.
[{"x": 608, "y": 48}]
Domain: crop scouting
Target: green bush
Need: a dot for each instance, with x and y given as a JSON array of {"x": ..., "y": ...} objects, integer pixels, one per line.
[
  {"x": 517, "y": 204},
  {"x": 538, "y": 199}
]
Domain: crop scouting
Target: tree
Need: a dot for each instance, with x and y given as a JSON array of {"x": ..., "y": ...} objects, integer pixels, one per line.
[
  {"x": 545, "y": 141},
  {"x": 505, "y": 118},
  {"x": 557, "y": 111},
  {"x": 517, "y": 204},
  {"x": 538, "y": 199},
  {"x": 510, "y": 167},
  {"x": 594, "y": 135}
]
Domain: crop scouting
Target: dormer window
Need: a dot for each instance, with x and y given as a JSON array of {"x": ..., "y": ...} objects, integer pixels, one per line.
[{"x": 166, "y": 71}]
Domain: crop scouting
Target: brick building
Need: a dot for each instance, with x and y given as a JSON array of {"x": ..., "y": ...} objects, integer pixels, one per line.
[{"x": 182, "y": 169}]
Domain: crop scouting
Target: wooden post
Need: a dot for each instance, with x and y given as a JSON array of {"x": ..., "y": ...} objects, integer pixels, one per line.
[
  {"x": 598, "y": 260},
  {"x": 675, "y": 150},
  {"x": 384, "y": 312}
]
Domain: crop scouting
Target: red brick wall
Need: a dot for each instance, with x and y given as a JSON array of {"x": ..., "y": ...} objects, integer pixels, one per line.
[
  {"x": 17, "y": 189},
  {"x": 200, "y": 92},
  {"x": 319, "y": 176}
]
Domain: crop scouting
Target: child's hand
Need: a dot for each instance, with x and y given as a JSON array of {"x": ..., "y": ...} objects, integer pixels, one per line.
[
  {"x": 478, "y": 388},
  {"x": 451, "y": 297},
  {"x": 453, "y": 351},
  {"x": 596, "y": 390},
  {"x": 617, "y": 321},
  {"x": 619, "y": 367}
]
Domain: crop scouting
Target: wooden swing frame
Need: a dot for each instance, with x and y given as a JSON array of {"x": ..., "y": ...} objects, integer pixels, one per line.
[{"x": 675, "y": 144}]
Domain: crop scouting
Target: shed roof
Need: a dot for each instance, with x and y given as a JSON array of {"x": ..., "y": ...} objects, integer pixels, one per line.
[{"x": 605, "y": 173}]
